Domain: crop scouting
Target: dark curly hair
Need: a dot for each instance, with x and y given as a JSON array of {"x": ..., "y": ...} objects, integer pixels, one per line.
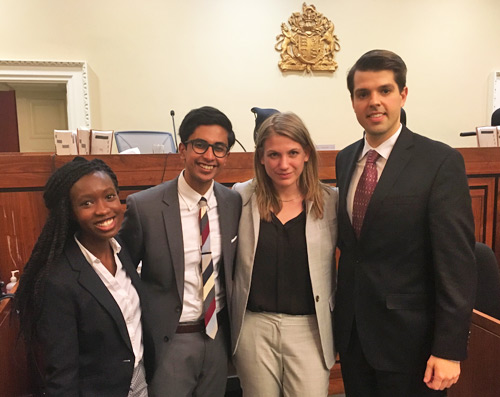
[{"x": 58, "y": 228}]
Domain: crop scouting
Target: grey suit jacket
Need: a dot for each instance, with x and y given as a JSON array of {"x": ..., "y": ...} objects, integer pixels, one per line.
[
  {"x": 152, "y": 231},
  {"x": 321, "y": 238}
]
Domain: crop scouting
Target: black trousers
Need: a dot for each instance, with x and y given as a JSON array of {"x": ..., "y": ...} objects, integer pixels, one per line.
[{"x": 362, "y": 380}]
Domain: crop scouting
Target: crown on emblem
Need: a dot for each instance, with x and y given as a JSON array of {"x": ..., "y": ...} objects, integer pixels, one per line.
[{"x": 308, "y": 42}]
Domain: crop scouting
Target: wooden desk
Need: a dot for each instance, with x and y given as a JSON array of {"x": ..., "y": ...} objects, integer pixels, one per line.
[
  {"x": 16, "y": 378},
  {"x": 24, "y": 175},
  {"x": 481, "y": 371}
]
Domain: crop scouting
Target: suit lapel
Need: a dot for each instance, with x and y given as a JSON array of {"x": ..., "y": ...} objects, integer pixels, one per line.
[
  {"x": 399, "y": 157},
  {"x": 349, "y": 163},
  {"x": 225, "y": 225},
  {"x": 173, "y": 229},
  {"x": 250, "y": 224},
  {"x": 89, "y": 280},
  {"x": 126, "y": 261},
  {"x": 249, "y": 229}
]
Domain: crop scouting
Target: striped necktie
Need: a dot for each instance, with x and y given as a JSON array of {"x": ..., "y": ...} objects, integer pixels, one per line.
[
  {"x": 207, "y": 271},
  {"x": 364, "y": 190}
]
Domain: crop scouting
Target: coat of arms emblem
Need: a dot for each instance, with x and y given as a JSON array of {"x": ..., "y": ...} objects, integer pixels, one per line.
[{"x": 308, "y": 42}]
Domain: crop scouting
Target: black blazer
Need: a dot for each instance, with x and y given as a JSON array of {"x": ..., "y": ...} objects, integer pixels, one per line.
[
  {"x": 410, "y": 279},
  {"x": 84, "y": 338}
]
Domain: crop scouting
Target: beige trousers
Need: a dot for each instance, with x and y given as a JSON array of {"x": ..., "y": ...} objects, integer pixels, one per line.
[{"x": 281, "y": 355}]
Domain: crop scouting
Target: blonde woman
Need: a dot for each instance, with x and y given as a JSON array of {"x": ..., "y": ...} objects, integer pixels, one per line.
[{"x": 284, "y": 278}]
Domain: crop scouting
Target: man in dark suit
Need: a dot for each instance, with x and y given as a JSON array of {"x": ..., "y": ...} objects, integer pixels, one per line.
[
  {"x": 161, "y": 229},
  {"x": 406, "y": 276}
]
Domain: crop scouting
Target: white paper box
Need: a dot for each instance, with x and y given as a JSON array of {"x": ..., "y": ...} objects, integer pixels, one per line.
[
  {"x": 101, "y": 142},
  {"x": 65, "y": 141},
  {"x": 487, "y": 136},
  {"x": 83, "y": 139}
]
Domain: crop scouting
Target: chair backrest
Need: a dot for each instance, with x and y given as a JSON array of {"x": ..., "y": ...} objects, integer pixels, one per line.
[
  {"x": 488, "y": 281},
  {"x": 260, "y": 116},
  {"x": 144, "y": 140}
]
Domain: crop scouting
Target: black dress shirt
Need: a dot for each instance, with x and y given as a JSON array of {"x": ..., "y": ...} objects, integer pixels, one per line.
[{"x": 280, "y": 280}]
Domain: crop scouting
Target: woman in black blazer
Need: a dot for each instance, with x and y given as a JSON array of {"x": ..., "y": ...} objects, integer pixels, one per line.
[{"x": 79, "y": 293}]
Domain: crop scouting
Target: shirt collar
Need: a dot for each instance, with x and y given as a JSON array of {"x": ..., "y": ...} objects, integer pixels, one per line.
[
  {"x": 385, "y": 148},
  {"x": 191, "y": 197},
  {"x": 91, "y": 258}
]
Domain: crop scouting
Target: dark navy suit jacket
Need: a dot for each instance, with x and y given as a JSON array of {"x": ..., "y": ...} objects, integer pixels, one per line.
[
  {"x": 409, "y": 280},
  {"x": 84, "y": 338}
]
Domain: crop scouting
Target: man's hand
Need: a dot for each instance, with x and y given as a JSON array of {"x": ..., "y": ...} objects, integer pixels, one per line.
[{"x": 441, "y": 373}]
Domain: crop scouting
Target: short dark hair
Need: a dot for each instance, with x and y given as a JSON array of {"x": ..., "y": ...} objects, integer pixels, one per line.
[
  {"x": 378, "y": 60},
  {"x": 205, "y": 115}
]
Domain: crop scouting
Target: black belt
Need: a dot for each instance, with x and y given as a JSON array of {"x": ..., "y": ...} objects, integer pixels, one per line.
[
  {"x": 199, "y": 326},
  {"x": 190, "y": 327}
]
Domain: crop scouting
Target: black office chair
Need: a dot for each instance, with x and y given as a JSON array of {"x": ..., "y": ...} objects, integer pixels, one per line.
[
  {"x": 144, "y": 140},
  {"x": 260, "y": 116},
  {"x": 495, "y": 117},
  {"x": 403, "y": 116},
  {"x": 488, "y": 281}
]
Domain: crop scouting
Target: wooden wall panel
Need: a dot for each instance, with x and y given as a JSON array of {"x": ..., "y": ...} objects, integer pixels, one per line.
[
  {"x": 23, "y": 171},
  {"x": 15, "y": 376},
  {"x": 482, "y": 192},
  {"x": 9, "y": 135},
  {"x": 22, "y": 215},
  {"x": 480, "y": 372},
  {"x": 23, "y": 177},
  {"x": 25, "y": 174}
]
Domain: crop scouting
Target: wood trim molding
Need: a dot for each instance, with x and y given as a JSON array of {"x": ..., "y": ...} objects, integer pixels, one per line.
[{"x": 72, "y": 73}]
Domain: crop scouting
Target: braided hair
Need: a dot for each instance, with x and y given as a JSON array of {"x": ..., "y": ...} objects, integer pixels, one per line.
[{"x": 59, "y": 227}]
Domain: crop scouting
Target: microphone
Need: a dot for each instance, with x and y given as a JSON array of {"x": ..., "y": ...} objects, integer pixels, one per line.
[
  {"x": 495, "y": 121},
  {"x": 239, "y": 143},
  {"x": 172, "y": 113}
]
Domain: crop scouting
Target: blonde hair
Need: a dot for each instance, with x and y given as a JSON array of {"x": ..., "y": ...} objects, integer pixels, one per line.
[{"x": 291, "y": 126}]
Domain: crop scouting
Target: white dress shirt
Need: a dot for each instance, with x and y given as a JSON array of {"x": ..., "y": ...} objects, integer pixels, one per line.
[
  {"x": 192, "y": 309},
  {"x": 384, "y": 150},
  {"x": 121, "y": 288}
]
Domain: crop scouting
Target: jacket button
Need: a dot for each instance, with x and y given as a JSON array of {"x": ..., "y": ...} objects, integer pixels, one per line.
[
  {"x": 317, "y": 298},
  {"x": 178, "y": 309},
  {"x": 165, "y": 339}
]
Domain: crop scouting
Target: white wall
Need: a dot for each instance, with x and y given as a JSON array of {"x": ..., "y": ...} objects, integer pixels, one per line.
[{"x": 147, "y": 57}]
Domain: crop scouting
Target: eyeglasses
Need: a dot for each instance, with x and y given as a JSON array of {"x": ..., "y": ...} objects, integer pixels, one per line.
[{"x": 200, "y": 146}]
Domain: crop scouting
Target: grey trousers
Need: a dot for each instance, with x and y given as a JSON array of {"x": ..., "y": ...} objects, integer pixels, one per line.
[{"x": 192, "y": 365}]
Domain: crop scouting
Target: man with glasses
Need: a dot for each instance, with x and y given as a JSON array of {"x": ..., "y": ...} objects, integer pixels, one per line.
[{"x": 188, "y": 275}]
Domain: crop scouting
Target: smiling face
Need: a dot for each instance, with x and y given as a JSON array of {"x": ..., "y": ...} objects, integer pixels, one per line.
[
  {"x": 96, "y": 208},
  {"x": 201, "y": 169},
  {"x": 377, "y": 103},
  {"x": 283, "y": 159}
]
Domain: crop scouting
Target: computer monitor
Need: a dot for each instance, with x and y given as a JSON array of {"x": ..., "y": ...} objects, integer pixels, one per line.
[{"x": 144, "y": 140}]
